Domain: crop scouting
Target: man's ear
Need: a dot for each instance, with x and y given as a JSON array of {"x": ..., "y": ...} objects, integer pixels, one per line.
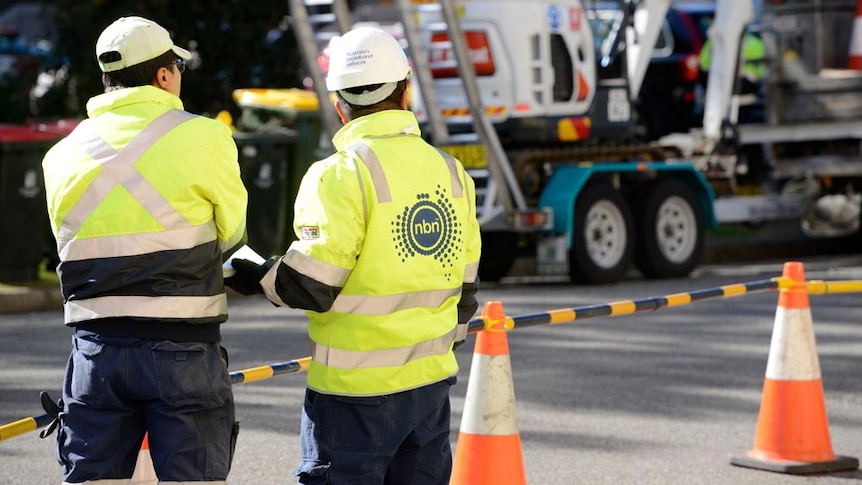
[{"x": 162, "y": 80}]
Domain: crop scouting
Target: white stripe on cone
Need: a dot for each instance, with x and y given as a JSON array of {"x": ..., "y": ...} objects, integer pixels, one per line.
[
  {"x": 144, "y": 474},
  {"x": 490, "y": 405},
  {"x": 792, "y": 353}
]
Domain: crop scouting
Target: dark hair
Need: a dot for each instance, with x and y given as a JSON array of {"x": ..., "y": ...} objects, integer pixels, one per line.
[
  {"x": 142, "y": 74},
  {"x": 393, "y": 101}
]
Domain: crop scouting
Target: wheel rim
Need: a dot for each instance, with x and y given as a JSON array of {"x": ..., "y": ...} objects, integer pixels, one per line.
[
  {"x": 676, "y": 229},
  {"x": 605, "y": 234}
]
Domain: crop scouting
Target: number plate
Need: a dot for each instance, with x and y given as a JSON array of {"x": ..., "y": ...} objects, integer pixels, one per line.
[{"x": 472, "y": 156}]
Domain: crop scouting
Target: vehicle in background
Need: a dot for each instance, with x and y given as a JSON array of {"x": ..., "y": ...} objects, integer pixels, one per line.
[
  {"x": 547, "y": 124},
  {"x": 25, "y": 52}
]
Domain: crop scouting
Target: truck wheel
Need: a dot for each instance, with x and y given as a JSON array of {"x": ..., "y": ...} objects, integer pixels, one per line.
[
  {"x": 603, "y": 245},
  {"x": 499, "y": 250},
  {"x": 670, "y": 230}
]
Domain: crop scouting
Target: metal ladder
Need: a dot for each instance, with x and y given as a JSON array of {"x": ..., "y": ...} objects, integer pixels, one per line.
[
  {"x": 497, "y": 190},
  {"x": 314, "y": 23},
  {"x": 498, "y": 195}
]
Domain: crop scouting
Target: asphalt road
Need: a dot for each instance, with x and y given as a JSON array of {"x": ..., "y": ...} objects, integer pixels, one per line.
[{"x": 652, "y": 398}]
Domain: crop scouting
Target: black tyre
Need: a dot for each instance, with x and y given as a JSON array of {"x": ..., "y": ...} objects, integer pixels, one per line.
[
  {"x": 499, "y": 250},
  {"x": 603, "y": 245},
  {"x": 670, "y": 230}
]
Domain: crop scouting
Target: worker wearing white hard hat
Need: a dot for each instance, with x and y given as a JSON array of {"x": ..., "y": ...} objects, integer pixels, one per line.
[{"x": 386, "y": 266}]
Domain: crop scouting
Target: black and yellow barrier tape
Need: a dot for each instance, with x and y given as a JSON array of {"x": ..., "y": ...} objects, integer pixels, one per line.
[{"x": 551, "y": 317}]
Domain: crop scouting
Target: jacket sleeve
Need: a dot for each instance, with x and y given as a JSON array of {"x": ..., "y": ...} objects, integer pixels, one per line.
[
  {"x": 329, "y": 222},
  {"x": 468, "y": 304},
  {"x": 229, "y": 195}
]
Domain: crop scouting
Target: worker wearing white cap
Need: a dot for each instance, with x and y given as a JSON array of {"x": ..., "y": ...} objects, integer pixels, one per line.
[
  {"x": 145, "y": 199},
  {"x": 385, "y": 266}
]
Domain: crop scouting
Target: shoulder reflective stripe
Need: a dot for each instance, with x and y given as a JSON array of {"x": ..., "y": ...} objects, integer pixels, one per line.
[
  {"x": 457, "y": 187},
  {"x": 372, "y": 163},
  {"x": 361, "y": 190},
  {"x": 134, "y": 244},
  {"x": 118, "y": 168},
  {"x": 384, "y": 305},
  {"x": 146, "y": 306},
  {"x": 349, "y": 359},
  {"x": 315, "y": 269},
  {"x": 471, "y": 271}
]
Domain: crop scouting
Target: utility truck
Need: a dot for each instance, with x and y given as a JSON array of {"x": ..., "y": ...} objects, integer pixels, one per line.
[{"x": 539, "y": 100}]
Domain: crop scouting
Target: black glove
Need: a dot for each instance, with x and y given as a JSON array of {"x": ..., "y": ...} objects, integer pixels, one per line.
[{"x": 247, "y": 275}]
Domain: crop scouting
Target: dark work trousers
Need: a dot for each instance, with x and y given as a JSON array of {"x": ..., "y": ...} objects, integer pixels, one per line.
[
  {"x": 397, "y": 439},
  {"x": 116, "y": 389}
]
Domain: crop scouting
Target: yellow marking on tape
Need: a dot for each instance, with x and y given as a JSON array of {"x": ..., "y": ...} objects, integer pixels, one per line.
[
  {"x": 734, "y": 290},
  {"x": 820, "y": 287},
  {"x": 257, "y": 373},
  {"x": 622, "y": 307},
  {"x": 18, "y": 427},
  {"x": 678, "y": 299},
  {"x": 304, "y": 363},
  {"x": 783, "y": 282},
  {"x": 562, "y": 316}
]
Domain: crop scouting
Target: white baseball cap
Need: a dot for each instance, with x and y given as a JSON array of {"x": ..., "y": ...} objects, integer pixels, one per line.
[{"x": 137, "y": 40}]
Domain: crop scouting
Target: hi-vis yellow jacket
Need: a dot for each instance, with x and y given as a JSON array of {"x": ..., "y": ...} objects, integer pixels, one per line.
[
  {"x": 386, "y": 260},
  {"x": 144, "y": 199}
]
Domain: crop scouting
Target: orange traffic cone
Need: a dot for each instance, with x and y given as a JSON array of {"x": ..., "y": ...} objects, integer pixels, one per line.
[
  {"x": 792, "y": 429},
  {"x": 854, "y": 54},
  {"x": 145, "y": 473},
  {"x": 489, "y": 446}
]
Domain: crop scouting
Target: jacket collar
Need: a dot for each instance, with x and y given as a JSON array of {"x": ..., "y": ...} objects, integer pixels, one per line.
[
  {"x": 383, "y": 123},
  {"x": 128, "y": 96}
]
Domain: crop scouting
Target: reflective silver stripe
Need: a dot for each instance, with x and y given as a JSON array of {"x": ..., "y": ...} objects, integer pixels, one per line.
[
  {"x": 315, "y": 269},
  {"x": 350, "y": 359},
  {"x": 457, "y": 188},
  {"x": 372, "y": 163},
  {"x": 461, "y": 332},
  {"x": 135, "y": 244},
  {"x": 384, "y": 305},
  {"x": 268, "y": 284},
  {"x": 471, "y": 271},
  {"x": 361, "y": 190},
  {"x": 230, "y": 243},
  {"x": 190, "y": 307},
  {"x": 118, "y": 168}
]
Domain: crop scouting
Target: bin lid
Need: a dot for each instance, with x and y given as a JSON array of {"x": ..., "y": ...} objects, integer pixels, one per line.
[
  {"x": 61, "y": 127},
  {"x": 288, "y": 99},
  {"x": 24, "y": 134}
]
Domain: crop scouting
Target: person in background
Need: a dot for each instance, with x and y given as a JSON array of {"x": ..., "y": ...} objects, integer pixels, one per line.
[
  {"x": 385, "y": 266},
  {"x": 145, "y": 200}
]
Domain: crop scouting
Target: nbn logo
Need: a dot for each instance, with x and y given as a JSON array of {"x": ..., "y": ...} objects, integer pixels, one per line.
[
  {"x": 426, "y": 227},
  {"x": 430, "y": 227}
]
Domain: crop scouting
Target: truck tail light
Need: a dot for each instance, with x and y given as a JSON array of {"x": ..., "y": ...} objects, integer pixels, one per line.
[
  {"x": 689, "y": 68},
  {"x": 542, "y": 218},
  {"x": 443, "y": 62}
]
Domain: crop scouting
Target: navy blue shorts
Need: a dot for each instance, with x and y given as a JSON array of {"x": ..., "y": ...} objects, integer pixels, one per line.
[
  {"x": 116, "y": 389},
  {"x": 394, "y": 439}
]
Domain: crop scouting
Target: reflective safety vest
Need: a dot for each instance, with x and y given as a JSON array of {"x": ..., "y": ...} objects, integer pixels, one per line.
[
  {"x": 143, "y": 199},
  {"x": 388, "y": 224}
]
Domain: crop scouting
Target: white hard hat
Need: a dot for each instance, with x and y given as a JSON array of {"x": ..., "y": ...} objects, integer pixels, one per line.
[{"x": 366, "y": 56}]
